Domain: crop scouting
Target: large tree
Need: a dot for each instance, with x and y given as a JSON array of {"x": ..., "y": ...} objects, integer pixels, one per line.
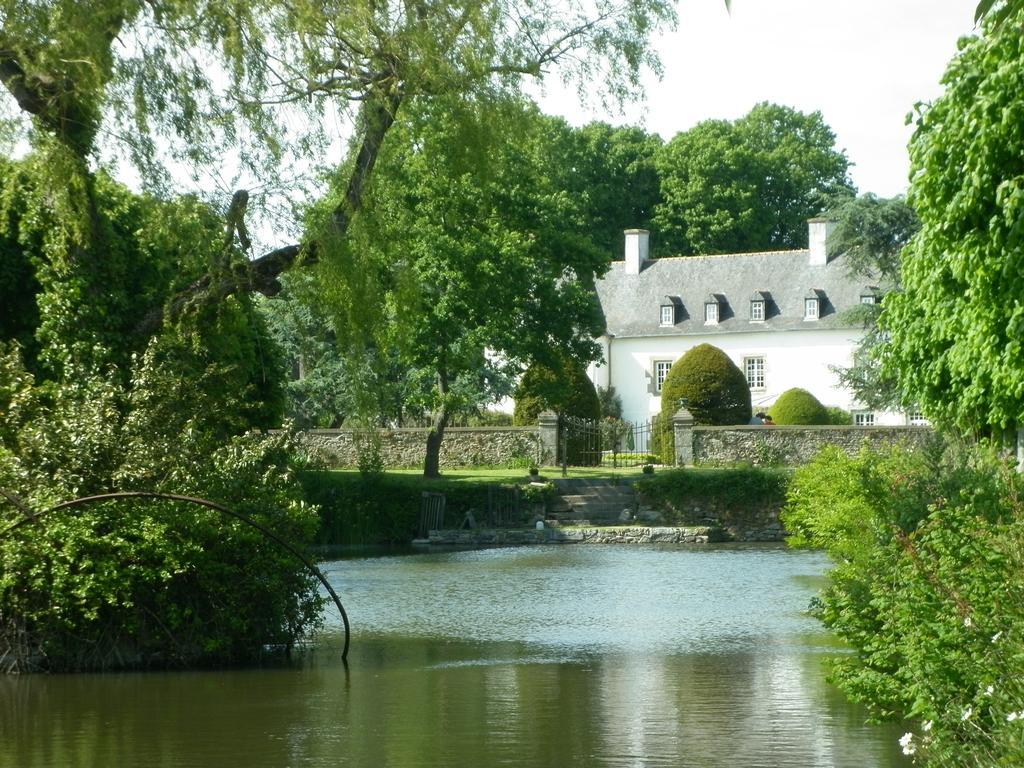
[
  {"x": 468, "y": 269},
  {"x": 958, "y": 326},
  {"x": 611, "y": 170},
  {"x": 747, "y": 185},
  {"x": 166, "y": 80},
  {"x": 871, "y": 232}
]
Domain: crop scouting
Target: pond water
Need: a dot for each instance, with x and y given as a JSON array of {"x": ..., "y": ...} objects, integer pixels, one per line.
[{"x": 547, "y": 656}]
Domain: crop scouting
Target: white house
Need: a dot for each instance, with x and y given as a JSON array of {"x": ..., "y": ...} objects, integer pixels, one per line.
[{"x": 780, "y": 316}]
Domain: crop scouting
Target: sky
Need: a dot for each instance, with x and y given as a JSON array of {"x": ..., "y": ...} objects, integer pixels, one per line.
[{"x": 863, "y": 64}]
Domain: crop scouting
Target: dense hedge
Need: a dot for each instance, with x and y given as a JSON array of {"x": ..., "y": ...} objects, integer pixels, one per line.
[
  {"x": 739, "y": 487},
  {"x": 384, "y": 508},
  {"x": 798, "y": 406}
]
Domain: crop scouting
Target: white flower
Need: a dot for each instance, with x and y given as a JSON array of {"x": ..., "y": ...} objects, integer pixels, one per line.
[
  {"x": 1012, "y": 716},
  {"x": 927, "y": 725},
  {"x": 967, "y": 621},
  {"x": 907, "y": 743},
  {"x": 996, "y": 636},
  {"x": 966, "y": 714},
  {"x": 989, "y": 690}
]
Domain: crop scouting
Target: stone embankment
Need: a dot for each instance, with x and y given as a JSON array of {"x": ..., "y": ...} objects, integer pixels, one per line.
[{"x": 597, "y": 535}]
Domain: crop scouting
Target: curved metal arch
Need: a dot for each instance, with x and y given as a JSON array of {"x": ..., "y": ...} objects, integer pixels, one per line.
[{"x": 31, "y": 516}]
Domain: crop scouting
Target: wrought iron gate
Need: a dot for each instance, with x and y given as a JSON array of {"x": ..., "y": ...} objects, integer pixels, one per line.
[{"x": 604, "y": 443}]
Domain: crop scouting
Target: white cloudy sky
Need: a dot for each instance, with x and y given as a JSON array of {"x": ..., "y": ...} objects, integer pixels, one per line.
[{"x": 862, "y": 63}]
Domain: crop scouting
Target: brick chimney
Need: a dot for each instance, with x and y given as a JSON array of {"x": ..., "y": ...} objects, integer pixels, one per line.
[
  {"x": 637, "y": 246},
  {"x": 818, "y": 232}
]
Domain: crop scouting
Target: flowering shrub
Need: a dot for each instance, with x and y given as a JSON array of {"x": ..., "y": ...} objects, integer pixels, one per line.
[{"x": 928, "y": 588}]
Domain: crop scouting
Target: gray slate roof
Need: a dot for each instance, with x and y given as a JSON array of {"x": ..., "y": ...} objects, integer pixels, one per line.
[{"x": 631, "y": 303}]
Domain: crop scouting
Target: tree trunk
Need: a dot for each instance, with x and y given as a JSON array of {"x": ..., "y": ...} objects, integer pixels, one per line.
[{"x": 432, "y": 462}]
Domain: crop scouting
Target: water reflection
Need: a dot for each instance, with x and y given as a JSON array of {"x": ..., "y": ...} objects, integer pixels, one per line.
[{"x": 582, "y": 656}]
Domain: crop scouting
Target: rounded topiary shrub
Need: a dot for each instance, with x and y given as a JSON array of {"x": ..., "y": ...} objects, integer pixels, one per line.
[
  {"x": 564, "y": 389},
  {"x": 711, "y": 387},
  {"x": 567, "y": 391},
  {"x": 798, "y": 406}
]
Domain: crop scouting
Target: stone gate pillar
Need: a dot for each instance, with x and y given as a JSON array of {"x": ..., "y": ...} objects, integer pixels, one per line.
[
  {"x": 547, "y": 428},
  {"x": 682, "y": 427}
]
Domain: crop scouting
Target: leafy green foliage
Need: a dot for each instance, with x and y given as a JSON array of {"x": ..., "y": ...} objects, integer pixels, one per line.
[
  {"x": 958, "y": 326},
  {"x": 611, "y": 172},
  {"x": 611, "y": 402},
  {"x": 872, "y": 232},
  {"x": 838, "y": 417},
  {"x": 926, "y": 589},
  {"x": 748, "y": 185},
  {"x": 798, "y": 406},
  {"x": 465, "y": 264},
  {"x": 731, "y": 487},
  {"x": 710, "y": 386},
  {"x": 144, "y": 583},
  {"x": 385, "y": 508},
  {"x": 565, "y": 389}
]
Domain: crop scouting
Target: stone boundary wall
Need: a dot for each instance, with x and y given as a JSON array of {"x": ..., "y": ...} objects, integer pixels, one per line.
[
  {"x": 792, "y": 445},
  {"x": 461, "y": 447}
]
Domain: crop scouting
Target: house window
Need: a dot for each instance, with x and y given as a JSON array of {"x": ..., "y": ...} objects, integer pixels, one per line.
[
  {"x": 711, "y": 313},
  {"x": 863, "y": 418},
  {"x": 753, "y": 367},
  {"x": 756, "y": 311},
  {"x": 668, "y": 314},
  {"x": 867, "y": 299},
  {"x": 810, "y": 309},
  {"x": 661, "y": 369},
  {"x": 916, "y": 419}
]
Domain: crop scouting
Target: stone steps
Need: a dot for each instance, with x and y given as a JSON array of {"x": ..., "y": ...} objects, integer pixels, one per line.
[{"x": 599, "y": 501}]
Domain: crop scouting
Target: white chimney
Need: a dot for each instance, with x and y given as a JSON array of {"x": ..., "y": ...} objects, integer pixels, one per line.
[
  {"x": 818, "y": 232},
  {"x": 636, "y": 250}
]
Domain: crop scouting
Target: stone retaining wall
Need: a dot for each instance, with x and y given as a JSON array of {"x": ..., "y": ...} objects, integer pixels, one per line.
[
  {"x": 757, "y": 522},
  {"x": 792, "y": 445},
  {"x": 461, "y": 447},
  {"x": 602, "y": 535}
]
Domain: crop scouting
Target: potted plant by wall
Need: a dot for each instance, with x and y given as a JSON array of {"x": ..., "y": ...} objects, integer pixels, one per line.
[{"x": 534, "y": 470}]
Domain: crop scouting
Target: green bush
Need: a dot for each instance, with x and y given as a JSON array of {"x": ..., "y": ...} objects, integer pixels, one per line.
[
  {"x": 565, "y": 389},
  {"x": 798, "y": 406},
  {"x": 927, "y": 589},
  {"x": 384, "y": 509},
  {"x": 710, "y": 386},
  {"x": 734, "y": 487},
  {"x": 144, "y": 583},
  {"x": 839, "y": 417},
  {"x": 568, "y": 392}
]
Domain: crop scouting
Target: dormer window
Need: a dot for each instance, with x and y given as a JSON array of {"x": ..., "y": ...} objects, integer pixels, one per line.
[
  {"x": 869, "y": 294},
  {"x": 812, "y": 305},
  {"x": 758, "y": 307},
  {"x": 711, "y": 310},
  {"x": 668, "y": 314}
]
